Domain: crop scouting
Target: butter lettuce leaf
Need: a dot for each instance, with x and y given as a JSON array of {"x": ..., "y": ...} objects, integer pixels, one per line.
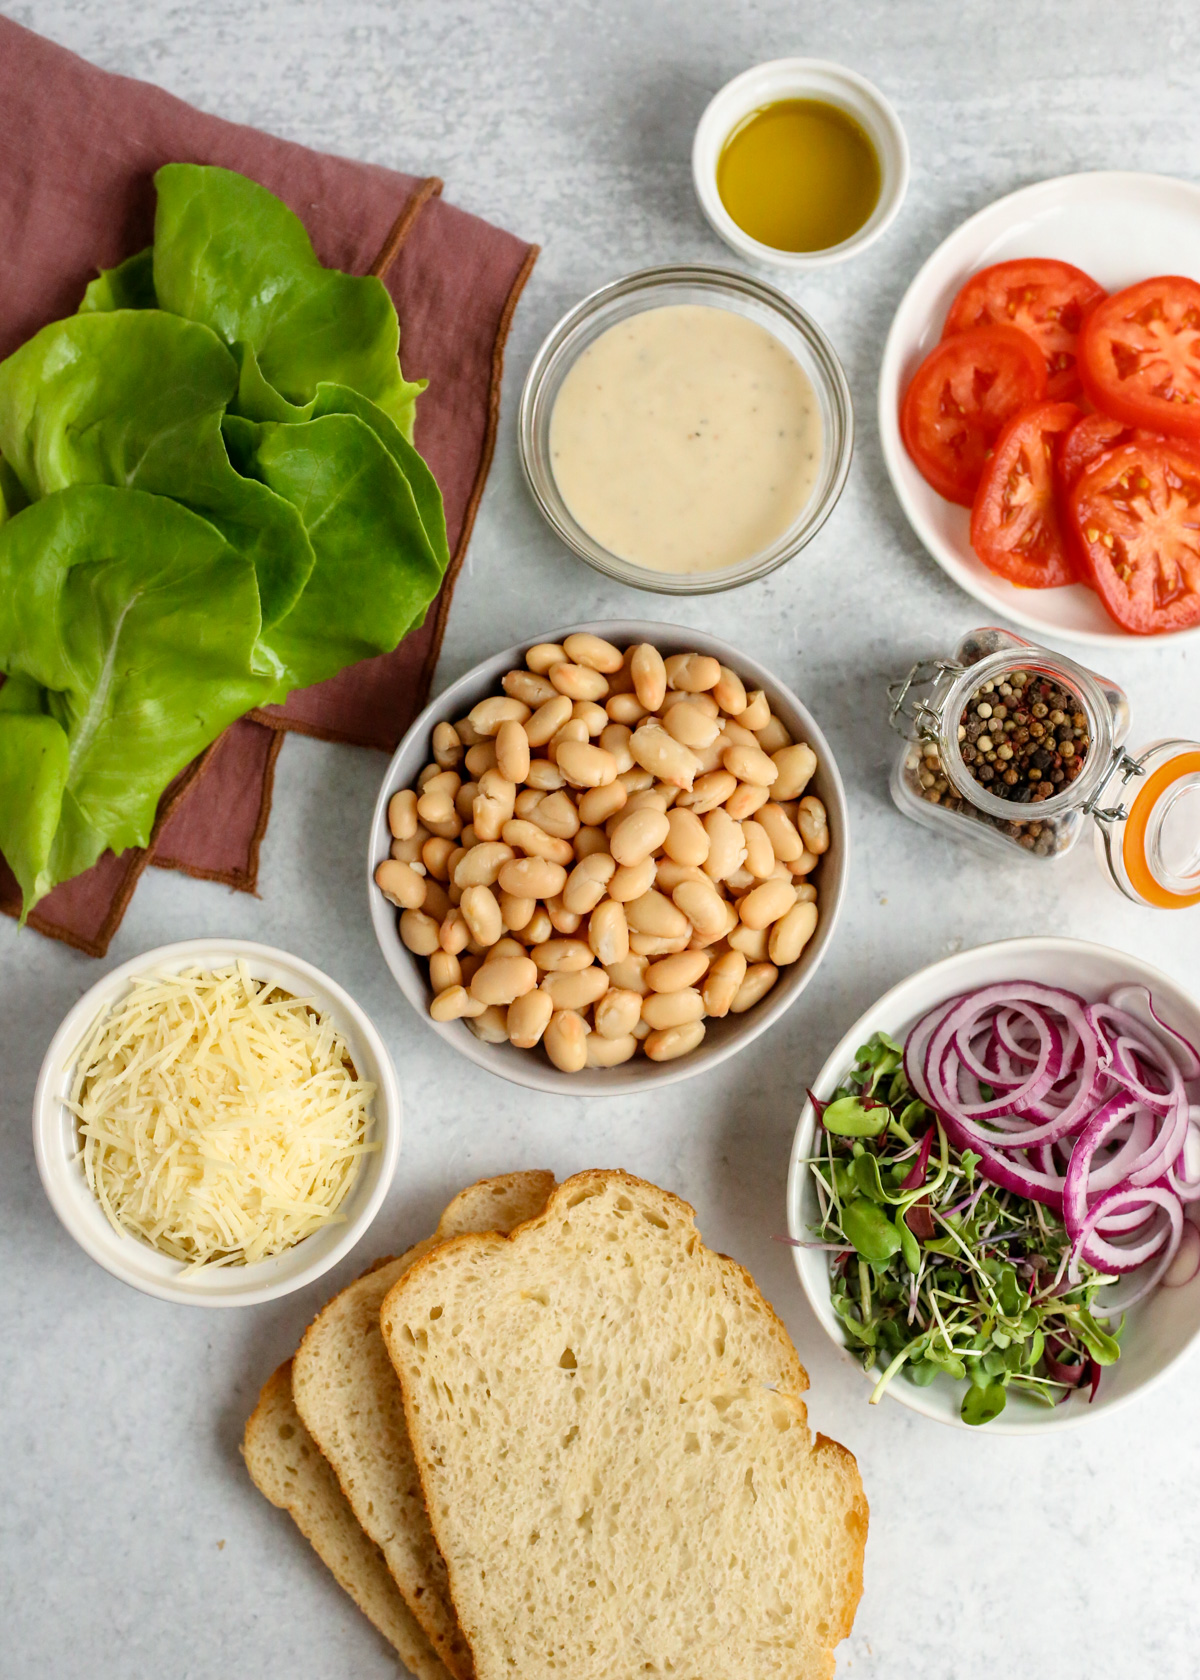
[
  {"x": 376, "y": 567},
  {"x": 131, "y": 625},
  {"x": 229, "y": 254},
  {"x": 128, "y": 286},
  {"x": 135, "y": 399}
]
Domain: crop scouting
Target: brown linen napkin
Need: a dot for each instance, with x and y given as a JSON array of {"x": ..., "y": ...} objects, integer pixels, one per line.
[{"x": 78, "y": 151}]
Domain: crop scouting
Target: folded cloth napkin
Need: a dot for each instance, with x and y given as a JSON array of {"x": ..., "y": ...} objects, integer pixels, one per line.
[{"x": 78, "y": 152}]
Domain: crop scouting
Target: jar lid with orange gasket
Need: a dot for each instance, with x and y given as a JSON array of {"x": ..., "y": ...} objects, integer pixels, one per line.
[{"x": 1147, "y": 819}]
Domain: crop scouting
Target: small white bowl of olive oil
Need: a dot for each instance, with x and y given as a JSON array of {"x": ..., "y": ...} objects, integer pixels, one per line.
[{"x": 800, "y": 163}]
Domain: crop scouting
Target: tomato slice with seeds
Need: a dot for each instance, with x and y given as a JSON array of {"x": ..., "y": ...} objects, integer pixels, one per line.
[
  {"x": 1136, "y": 511},
  {"x": 1139, "y": 355},
  {"x": 1015, "y": 527},
  {"x": 961, "y": 397},
  {"x": 1041, "y": 297}
]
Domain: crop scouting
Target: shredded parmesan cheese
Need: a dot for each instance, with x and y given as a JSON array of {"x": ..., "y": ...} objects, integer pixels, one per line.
[{"x": 220, "y": 1119}]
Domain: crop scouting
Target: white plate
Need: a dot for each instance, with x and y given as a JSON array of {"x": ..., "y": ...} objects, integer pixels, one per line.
[
  {"x": 1159, "y": 1330},
  {"x": 1118, "y": 227}
]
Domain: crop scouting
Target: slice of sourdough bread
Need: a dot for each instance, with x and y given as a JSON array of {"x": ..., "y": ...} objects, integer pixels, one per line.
[
  {"x": 617, "y": 1462},
  {"x": 284, "y": 1463},
  {"x": 348, "y": 1396}
]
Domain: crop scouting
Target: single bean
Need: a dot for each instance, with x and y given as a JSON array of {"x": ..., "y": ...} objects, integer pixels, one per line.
[
  {"x": 481, "y": 865},
  {"x": 445, "y": 970},
  {"x": 544, "y": 776},
  {"x": 512, "y": 751},
  {"x": 730, "y": 693},
  {"x": 614, "y": 738},
  {"x": 671, "y": 1042},
  {"x": 524, "y": 685},
  {"x": 766, "y": 904},
  {"x": 753, "y": 943},
  {"x": 625, "y": 709},
  {"x": 792, "y": 933},
  {"x": 746, "y": 800},
  {"x": 562, "y": 920},
  {"x": 527, "y": 801},
  {"x": 617, "y": 1012},
  {"x": 774, "y": 736},
  {"x": 436, "y": 854},
  {"x": 400, "y": 884},
  {"x": 683, "y": 969},
  {"x": 578, "y": 682},
  {"x": 586, "y": 766},
  {"x": 454, "y": 932},
  {"x": 669, "y": 874},
  {"x": 491, "y": 1026},
  {"x": 464, "y": 801},
  {"x": 447, "y": 748},
  {"x": 610, "y": 1052},
  {"x": 557, "y": 815},
  {"x": 760, "y": 854},
  {"x": 437, "y": 900},
  {"x": 814, "y": 826},
  {"x": 703, "y": 906},
  {"x": 667, "y": 760},
  {"x": 638, "y": 835},
  {"x": 538, "y": 928},
  {"x": 565, "y": 1039},
  {"x": 750, "y": 764},
  {"x": 482, "y": 913},
  {"x": 805, "y": 863},
  {"x": 528, "y": 1017},
  {"x": 467, "y": 732},
  {"x": 693, "y": 672},
  {"x": 402, "y": 814},
  {"x": 708, "y": 791},
  {"x": 598, "y": 804},
  {"x": 527, "y": 836},
  {"x": 503, "y": 979},
  {"x": 436, "y": 804},
  {"x": 796, "y": 765},
  {"x": 419, "y": 932},
  {"x": 757, "y": 713},
  {"x": 781, "y": 832},
  {"x": 547, "y": 720},
  {"x": 631, "y": 882},
  {"x": 567, "y": 956},
  {"x": 493, "y": 785},
  {"x": 449, "y": 829},
  {"x": 517, "y": 912},
  {"x": 736, "y": 735},
  {"x": 726, "y": 845},
  {"x": 454, "y": 1003},
  {"x": 630, "y": 975},
  {"x": 578, "y": 990},
  {"x": 760, "y": 977},
  {"x": 594, "y": 718},
  {"x": 636, "y": 780},
  {"x": 589, "y": 841},
  {"x": 688, "y": 725},
  {"x": 649, "y": 675},
  {"x": 658, "y": 945},
  {"x": 686, "y": 839},
  {"x": 608, "y": 932},
  {"x": 573, "y": 730},
  {"x": 593, "y": 651},
  {"x": 542, "y": 655},
  {"x": 532, "y": 877},
  {"x": 672, "y": 1009},
  {"x": 722, "y": 982},
  {"x": 587, "y": 882},
  {"x": 409, "y": 851},
  {"x": 488, "y": 817},
  {"x": 489, "y": 714},
  {"x": 806, "y": 893}
]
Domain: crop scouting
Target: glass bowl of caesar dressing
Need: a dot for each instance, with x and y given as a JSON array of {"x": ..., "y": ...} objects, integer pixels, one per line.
[{"x": 686, "y": 429}]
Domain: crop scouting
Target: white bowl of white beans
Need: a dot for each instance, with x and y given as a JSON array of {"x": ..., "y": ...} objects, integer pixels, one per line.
[{"x": 578, "y": 873}]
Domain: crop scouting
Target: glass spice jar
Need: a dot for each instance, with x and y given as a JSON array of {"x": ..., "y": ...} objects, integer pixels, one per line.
[{"x": 1017, "y": 751}]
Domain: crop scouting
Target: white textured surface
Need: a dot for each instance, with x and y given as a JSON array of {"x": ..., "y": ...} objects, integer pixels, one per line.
[{"x": 131, "y": 1542}]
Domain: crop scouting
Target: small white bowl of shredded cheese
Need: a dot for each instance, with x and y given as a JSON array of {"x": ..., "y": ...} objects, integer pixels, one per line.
[{"x": 216, "y": 1122}]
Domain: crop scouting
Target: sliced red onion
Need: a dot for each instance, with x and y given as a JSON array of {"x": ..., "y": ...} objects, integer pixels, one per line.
[
  {"x": 1106, "y": 1256},
  {"x": 1137, "y": 1001}
]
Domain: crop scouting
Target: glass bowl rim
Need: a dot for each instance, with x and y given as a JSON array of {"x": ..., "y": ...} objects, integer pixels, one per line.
[{"x": 645, "y": 282}]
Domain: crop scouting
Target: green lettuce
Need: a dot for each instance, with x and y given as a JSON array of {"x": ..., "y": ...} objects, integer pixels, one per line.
[
  {"x": 128, "y": 629},
  {"x": 136, "y": 398},
  {"x": 128, "y": 286},
  {"x": 229, "y": 254}
]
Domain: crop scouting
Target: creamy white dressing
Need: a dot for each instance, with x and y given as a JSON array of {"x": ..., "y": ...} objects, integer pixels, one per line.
[{"x": 686, "y": 438}]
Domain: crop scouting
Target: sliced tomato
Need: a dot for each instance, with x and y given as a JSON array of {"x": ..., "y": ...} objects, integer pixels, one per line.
[
  {"x": 1139, "y": 355},
  {"x": 1136, "y": 512},
  {"x": 1086, "y": 442},
  {"x": 1041, "y": 297},
  {"x": 960, "y": 398},
  {"x": 1015, "y": 527}
]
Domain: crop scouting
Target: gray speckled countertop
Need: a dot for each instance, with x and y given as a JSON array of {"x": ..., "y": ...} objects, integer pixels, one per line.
[{"x": 132, "y": 1544}]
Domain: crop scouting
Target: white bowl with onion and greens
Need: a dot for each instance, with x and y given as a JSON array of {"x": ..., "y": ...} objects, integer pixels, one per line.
[
  {"x": 216, "y": 1123},
  {"x": 995, "y": 1186}
]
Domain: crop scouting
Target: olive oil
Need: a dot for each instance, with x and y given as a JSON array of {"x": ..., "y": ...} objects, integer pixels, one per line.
[{"x": 799, "y": 175}]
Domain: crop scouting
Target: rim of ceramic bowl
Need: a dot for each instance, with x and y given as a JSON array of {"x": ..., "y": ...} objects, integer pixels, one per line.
[
  {"x": 797, "y": 78},
  {"x": 815, "y": 1283},
  {"x": 125, "y": 1256},
  {"x": 528, "y": 1068},
  {"x": 629, "y": 295}
]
